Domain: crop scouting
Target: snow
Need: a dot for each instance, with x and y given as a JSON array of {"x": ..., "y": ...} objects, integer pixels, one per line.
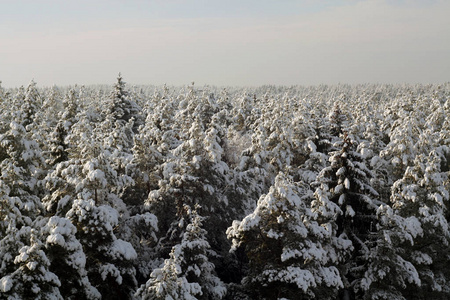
[
  {"x": 349, "y": 211},
  {"x": 107, "y": 270},
  {"x": 274, "y": 235},
  {"x": 347, "y": 183},
  {"x": 304, "y": 279},
  {"x": 56, "y": 239},
  {"x": 6, "y": 283},
  {"x": 311, "y": 146},
  {"x": 121, "y": 250},
  {"x": 341, "y": 171},
  {"x": 413, "y": 226},
  {"x": 422, "y": 258},
  {"x": 331, "y": 277},
  {"x": 32, "y": 265}
]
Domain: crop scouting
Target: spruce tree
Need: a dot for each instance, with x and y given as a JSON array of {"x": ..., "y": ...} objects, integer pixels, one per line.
[
  {"x": 67, "y": 259},
  {"x": 419, "y": 229},
  {"x": 347, "y": 183},
  {"x": 32, "y": 278},
  {"x": 291, "y": 254}
]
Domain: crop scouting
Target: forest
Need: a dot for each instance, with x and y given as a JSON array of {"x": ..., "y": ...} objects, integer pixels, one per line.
[{"x": 271, "y": 192}]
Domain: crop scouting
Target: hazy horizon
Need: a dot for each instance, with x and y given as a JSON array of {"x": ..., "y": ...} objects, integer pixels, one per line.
[{"x": 232, "y": 43}]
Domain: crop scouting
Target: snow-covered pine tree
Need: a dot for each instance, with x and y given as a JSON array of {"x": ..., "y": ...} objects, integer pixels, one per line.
[
  {"x": 193, "y": 251},
  {"x": 346, "y": 182},
  {"x": 45, "y": 119},
  {"x": 165, "y": 283},
  {"x": 58, "y": 148},
  {"x": 57, "y": 145},
  {"x": 187, "y": 274},
  {"x": 71, "y": 106},
  {"x": 30, "y": 105},
  {"x": 291, "y": 255},
  {"x": 14, "y": 229},
  {"x": 401, "y": 150},
  {"x": 388, "y": 274},
  {"x": 193, "y": 175},
  {"x": 67, "y": 259},
  {"x": 143, "y": 168},
  {"x": 108, "y": 259},
  {"x": 337, "y": 121},
  {"x": 86, "y": 190},
  {"x": 122, "y": 108},
  {"x": 32, "y": 278},
  {"x": 418, "y": 230},
  {"x": 21, "y": 168}
]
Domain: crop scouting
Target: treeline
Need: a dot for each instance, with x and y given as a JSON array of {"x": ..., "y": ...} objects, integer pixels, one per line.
[{"x": 326, "y": 192}]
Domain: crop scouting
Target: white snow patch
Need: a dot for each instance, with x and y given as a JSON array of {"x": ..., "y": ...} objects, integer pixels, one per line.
[
  {"x": 6, "y": 283},
  {"x": 121, "y": 249}
]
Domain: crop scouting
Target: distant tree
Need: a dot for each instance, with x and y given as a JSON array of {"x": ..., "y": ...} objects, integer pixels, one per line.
[
  {"x": 57, "y": 145},
  {"x": 400, "y": 151},
  {"x": 30, "y": 105},
  {"x": 123, "y": 108}
]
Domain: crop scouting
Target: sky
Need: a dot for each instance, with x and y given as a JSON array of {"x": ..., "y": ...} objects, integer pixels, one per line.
[{"x": 224, "y": 43}]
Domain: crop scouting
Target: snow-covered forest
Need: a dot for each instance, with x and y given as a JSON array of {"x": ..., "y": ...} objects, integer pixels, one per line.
[{"x": 323, "y": 192}]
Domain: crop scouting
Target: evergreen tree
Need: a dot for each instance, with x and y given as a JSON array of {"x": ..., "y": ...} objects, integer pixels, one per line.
[
  {"x": 67, "y": 259},
  {"x": 291, "y": 255},
  {"x": 32, "y": 278},
  {"x": 194, "y": 251},
  {"x": 108, "y": 259},
  {"x": 188, "y": 274},
  {"x": 30, "y": 105},
  {"x": 123, "y": 108},
  {"x": 194, "y": 174},
  {"x": 419, "y": 230},
  {"x": 165, "y": 283},
  {"x": 347, "y": 183},
  {"x": 57, "y": 146},
  {"x": 21, "y": 168},
  {"x": 14, "y": 229}
]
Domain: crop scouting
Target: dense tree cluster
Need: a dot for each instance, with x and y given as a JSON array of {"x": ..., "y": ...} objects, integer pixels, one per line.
[{"x": 325, "y": 192}]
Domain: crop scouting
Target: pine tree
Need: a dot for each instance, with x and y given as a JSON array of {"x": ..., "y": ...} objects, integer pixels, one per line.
[
  {"x": 32, "y": 278},
  {"x": 291, "y": 254},
  {"x": 165, "y": 283},
  {"x": 400, "y": 151},
  {"x": 67, "y": 259},
  {"x": 347, "y": 180},
  {"x": 195, "y": 265},
  {"x": 57, "y": 146},
  {"x": 108, "y": 259},
  {"x": 188, "y": 274},
  {"x": 194, "y": 174},
  {"x": 30, "y": 105},
  {"x": 388, "y": 273},
  {"x": 21, "y": 168},
  {"x": 423, "y": 193},
  {"x": 14, "y": 228},
  {"x": 123, "y": 108}
]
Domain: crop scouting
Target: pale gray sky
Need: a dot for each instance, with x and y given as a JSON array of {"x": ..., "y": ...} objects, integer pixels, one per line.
[{"x": 228, "y": 42}]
